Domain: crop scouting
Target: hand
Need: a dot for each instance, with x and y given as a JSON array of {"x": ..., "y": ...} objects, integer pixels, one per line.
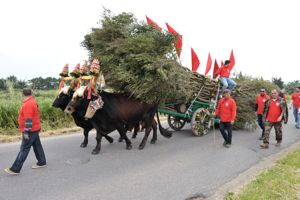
[
  {"x": 213, "y": 115},
  {"x": 232, "y": 122},
  {"x": 279, "y": 118},
  {"x": 26, "y": 136}
]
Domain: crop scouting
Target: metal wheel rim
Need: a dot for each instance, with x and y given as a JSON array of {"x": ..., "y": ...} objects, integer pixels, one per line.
[
  {"x": 176, "y": 123},
  {"x": 200, "y": 128}
]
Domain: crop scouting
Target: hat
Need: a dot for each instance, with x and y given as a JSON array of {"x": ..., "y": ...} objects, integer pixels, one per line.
[
  {"x": 227, "y": 91},
  {"x": 76, "y": 71},
  {"x": 84, "y": 68},
  {"x": 65, "y": 71},
  {"x": 95, "y": 68}
]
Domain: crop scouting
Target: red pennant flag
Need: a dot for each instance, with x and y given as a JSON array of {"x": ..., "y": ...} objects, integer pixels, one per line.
[
  {"x": 232, "y": 60},
  {"x": 152, "y": 23},
  {"x": 208, "y": 64},
  {"x": 178, "y": 45},
  {"x": 171, "y": 30},
  {"x": 216, "y": 68},
  {"x": 195, "y": 61},
  {"x": 178, "y": 42}
]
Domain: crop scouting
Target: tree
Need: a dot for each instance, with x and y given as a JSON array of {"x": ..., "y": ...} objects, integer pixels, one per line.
[
  {"x": 291, "y": 86},
  {"x": 44, "y": 83},
  {"x": 278, "y": 82},
  {"x": 3, "y": 84},
  {"x": 20, "y": 84}
]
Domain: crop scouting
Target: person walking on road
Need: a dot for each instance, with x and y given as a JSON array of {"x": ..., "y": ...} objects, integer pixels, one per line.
[
  {"x": 296, "y": 106},
  {"x": 273, "y": 115},
  {"x": 227, "y": 111},
  {"x": 261, "y": 98},
  {"x": 29, "y": 124}
]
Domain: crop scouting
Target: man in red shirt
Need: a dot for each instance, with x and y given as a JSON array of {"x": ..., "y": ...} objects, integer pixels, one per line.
[
  {"x": 224, "y": 72},
  {"x": 296, "y": 106},
  {"x": 227, "y": 111},
  {"x": 273, "y": 115},
  {"x": 261, "y": 98},
  {"x": 29, "y": 123}
]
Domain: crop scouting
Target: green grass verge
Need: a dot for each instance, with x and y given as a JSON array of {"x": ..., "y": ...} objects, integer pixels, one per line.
[
  {"x": 51, "y": 118},
  {"x": 281, "y": 181}
]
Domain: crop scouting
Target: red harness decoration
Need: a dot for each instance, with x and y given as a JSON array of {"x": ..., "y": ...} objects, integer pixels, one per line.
[{"x": 62, "y": 82}]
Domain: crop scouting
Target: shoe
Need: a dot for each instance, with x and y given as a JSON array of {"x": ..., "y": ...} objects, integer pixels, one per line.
[
  {"x": 278, "y": 143},
  {"x": 297, "y": 127},
  {"x": 227, "y": 145},
  {"x": 36, "y": 166},
  {"x": 264, "y": 145},
  {"x": 224, "y": 144},
  {"x": 9, "y": 171},
  {"x": 261, "y": 138}
]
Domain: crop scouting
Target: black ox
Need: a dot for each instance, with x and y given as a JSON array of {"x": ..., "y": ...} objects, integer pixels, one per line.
[
  {"x": 62, "y": 100},
  {"x": 118, "y": 113}
]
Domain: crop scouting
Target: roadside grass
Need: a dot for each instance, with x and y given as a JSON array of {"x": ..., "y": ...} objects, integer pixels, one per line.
[{"x": 281, "y": 181}]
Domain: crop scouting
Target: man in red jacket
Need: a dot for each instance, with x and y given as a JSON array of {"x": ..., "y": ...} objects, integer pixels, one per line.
[
  {"x": 261, "y": 98},
  {"x": 296, "y": 106},
  {"x": 274, "y": 114},
  {"x": 227, "y": 111},
  {"x": 224, "y": 72},
  {"x": 29, "y": 123}
]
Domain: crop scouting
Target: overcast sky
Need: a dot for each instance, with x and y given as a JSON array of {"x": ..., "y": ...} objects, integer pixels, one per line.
[{"x": 39, "y": 36}]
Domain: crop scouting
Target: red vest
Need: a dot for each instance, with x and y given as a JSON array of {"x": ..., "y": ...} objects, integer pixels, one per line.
[
  {"x": 260, "y": 101},
  {"x": 224, "y": 72},
  {"x": 296, "y": 99},
  {"x": 274, "y": 111},
  {"x": 226, "y": 109},
  {"x": 29, "y": 110}
]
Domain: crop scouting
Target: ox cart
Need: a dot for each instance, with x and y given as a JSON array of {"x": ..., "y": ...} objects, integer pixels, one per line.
[{"x": 198, "y": 111}]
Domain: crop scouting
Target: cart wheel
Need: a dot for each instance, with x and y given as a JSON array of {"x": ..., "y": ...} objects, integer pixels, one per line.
[
  {"x": 176, "y": 123},
  {"x": 200, "y": 122}
]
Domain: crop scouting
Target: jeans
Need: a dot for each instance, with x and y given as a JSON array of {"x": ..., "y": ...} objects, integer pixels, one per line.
[
  {"x": 227, "y": 83},
  {"x": 261, "y": 123},
  {"x": 34, "y": 140},
  {"x": 226, "y": 126},
  {"x": 298, "y": 122},
  {"x": 295, "y": 112},
  {"x": 297, "y": 116}
]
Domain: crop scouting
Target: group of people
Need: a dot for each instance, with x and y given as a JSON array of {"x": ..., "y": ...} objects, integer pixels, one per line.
[{"x": 270, "y": 111}]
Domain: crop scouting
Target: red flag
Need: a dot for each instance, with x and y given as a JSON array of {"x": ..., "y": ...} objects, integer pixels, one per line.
[
  {"x": 171, "y": 30},
  {"x": 232, "y": 60},
  {"x": 195, "y": 61},
  {"x": 208, "y": 64},
  {"x": 178, "y": 45},
  {"x": 152, "y": 23},
  {"x": 216, "y": 68},
  {"x": 178, "y": 42}
]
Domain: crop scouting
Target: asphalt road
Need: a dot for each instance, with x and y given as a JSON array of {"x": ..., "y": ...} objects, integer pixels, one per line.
[{"x": 175, "y": 168}]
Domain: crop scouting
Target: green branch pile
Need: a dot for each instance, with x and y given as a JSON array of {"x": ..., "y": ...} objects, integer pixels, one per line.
[{"x": 141, "y": 61}]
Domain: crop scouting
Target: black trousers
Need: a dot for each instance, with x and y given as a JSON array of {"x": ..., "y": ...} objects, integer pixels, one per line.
[
  {"x": 261, "y": 123},
  {"x": 226, "y": 131}
]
